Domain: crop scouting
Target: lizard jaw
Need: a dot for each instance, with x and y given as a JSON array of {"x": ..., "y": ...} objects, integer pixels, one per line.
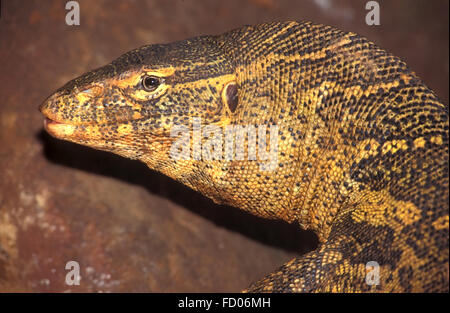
[
  {"x": 58, "y": 129},
  {"x": 53, "y": 125}
]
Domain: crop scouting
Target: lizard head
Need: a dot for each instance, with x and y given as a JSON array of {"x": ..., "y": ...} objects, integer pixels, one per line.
[{"x": 130, "y": 105}]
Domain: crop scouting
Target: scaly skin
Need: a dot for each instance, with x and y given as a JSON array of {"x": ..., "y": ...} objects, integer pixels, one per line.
[{"x": 362, "y": 144}]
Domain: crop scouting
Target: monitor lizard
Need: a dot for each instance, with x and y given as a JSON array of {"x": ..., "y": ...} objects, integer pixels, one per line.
[{"x": 361, "y": 144}]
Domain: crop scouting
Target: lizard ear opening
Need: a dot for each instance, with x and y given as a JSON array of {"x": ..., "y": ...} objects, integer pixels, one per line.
[{"x": 230, "y": 96}]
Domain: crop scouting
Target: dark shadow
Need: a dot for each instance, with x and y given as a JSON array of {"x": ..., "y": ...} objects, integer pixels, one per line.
[{"x": 275, "y": 233}]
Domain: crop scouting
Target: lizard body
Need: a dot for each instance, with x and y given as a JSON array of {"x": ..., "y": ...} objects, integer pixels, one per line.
[{"x": 362, "y": 144}]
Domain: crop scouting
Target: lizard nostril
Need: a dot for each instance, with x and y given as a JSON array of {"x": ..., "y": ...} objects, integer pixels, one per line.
[{"x": 93, "y": 91}]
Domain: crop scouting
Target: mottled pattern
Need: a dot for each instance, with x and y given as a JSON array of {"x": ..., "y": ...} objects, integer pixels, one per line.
[{"x": 363, "y": 144}]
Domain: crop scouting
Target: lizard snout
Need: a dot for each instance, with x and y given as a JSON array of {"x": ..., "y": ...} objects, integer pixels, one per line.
[{"x": 48, "y": 105}]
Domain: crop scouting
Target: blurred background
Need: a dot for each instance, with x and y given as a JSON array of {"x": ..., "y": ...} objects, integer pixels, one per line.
[{"x": 129, "y": 228}]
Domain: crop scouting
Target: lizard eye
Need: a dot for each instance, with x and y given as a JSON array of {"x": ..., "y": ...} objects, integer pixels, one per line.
[{"x": 150, "y": 83}]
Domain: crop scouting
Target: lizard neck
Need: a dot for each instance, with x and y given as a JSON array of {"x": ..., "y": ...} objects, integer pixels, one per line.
[{"x": 286, "y": 90}]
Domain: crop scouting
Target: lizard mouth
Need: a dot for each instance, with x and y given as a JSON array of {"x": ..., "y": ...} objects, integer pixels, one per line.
[
  {"x": 55, "y": 127},
  {"x": 49, "y": 121},
  {"x": 58, "y": 129}
]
